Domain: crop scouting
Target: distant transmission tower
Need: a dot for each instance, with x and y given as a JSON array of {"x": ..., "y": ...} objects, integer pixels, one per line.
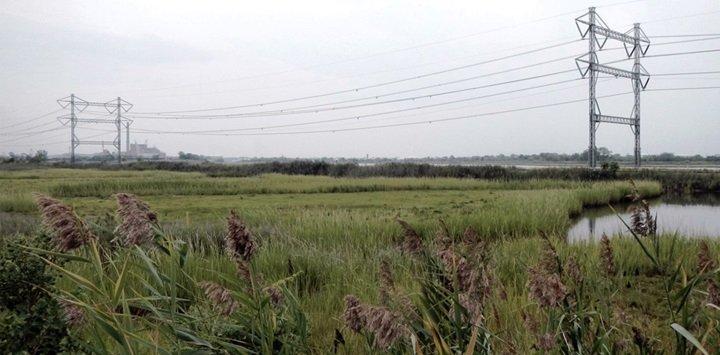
[
  {"x": 589, "y": 66},
  {"x": 78, "y": 105}
]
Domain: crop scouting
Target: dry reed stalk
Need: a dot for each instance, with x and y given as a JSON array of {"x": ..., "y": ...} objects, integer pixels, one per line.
[
  {"x": 73, "y": 315},
  {"x": 386, "y": 326},
  {"x": 470, "y": 236},
  {"x": 220, "y": 296},
  {"x": 136, "y": 226},
  {"x": 412, "y": 243},
  {"x": 239, "y": 241},
  {"x": 545, "y": 342},
  {"x": 69, "y": 232},
  {"x": 275, "y": 294},
  {"x": 572, "y": 269},
  {"x": 713, "y": 292},
  {"x": 705, "y": 260},
  {"x": 547, "y": 289},
  {"x": 387, "y": 282},
  {"x": 354, "y": 314},
  {"x": 607, "y": 259}
]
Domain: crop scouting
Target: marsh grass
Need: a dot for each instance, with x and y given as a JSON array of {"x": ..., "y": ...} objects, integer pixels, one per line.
[{"x": 323, "y": 245}]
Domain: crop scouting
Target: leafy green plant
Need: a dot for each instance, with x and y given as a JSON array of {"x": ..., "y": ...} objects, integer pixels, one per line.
[
  {"x": 31, "y": 320},
  {"x": 139, "y": 298},
  {"x": 680, "y": 288}
]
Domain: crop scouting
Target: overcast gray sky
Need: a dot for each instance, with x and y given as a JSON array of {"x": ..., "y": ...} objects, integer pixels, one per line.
[{"x": 185, "y": 55}]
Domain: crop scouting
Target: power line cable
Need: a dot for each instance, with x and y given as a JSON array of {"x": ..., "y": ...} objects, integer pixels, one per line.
[
  {"x": 415, "y": 77},
  {"x": 377, "y": 114},
  {"x": 287, "y": 110},
  {"x": 414, "y": 122},
  {"x": 31, "y": 119},
  {"x": 448, "y": 119},
  {"x": 315, "y": 108},
  {"x": 335, "y": 108}
]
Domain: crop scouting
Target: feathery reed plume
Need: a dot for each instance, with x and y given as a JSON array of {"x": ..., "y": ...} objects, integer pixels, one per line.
[
  {"x": 705, "y": 260},
  {"x": 572, "y": 269},
  {"x": 243, "y": 270},
  {"x": 642, "y": 221},
  {"x": 529, "y": 322},
  {"x": 221, "y": 297},
  {"x": 354, "y": 314},
  {"x": 275, "y": 294},
  {"x": 239, "y": 241},
  {"x": 385, "y": 325},
  {"x": 387, "y": 282},
  {"x": 549, "y": 261},
  {"x": 470, "y": 236},
  {"x": 412, "y": 243},
  {"x": 713, "y": 292},
  {"x": 640, "y": 339},
  {"x": 73, "y": 315},
  {"x": 545, "y": 342},
  {"x": 444, "y": 237},
  {"x": 547, "y": 289},
  {"x": 606, "y": 256},
  {"x": 68, "y": 230},
  {"x": 137, "y": 220}
]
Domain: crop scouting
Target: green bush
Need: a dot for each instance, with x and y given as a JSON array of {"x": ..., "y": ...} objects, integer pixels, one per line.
[{"x": 30, "y": 319}]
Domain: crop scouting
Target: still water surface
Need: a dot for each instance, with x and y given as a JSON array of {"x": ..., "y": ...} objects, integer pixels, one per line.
[{"x": 691, "y": 215}]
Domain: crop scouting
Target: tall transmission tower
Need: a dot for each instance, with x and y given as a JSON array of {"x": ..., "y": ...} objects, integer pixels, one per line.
[
  {"x": 78, "y": 105},
  {"x": 593, "y": 27}
]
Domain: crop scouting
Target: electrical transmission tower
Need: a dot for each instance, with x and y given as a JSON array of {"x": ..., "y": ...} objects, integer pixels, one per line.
[
  {"x": 589, "y": 66},
  {"x": 78, "y": 105}
]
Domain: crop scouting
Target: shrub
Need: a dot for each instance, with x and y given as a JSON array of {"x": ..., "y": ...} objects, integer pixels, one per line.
[{"x": 31, "y": 320}]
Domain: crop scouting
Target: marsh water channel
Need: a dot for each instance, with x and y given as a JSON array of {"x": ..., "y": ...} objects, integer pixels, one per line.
[{"x": 687, "y": 215}]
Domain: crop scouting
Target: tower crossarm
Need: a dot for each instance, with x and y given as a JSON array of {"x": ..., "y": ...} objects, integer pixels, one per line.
[
  {"x": 606, "y": 69},
  {"x": 612, "y": 34},
  {"x": 614, "y": 119}
]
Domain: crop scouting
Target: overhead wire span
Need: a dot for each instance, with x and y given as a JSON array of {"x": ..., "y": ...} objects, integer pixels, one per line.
[
  {"x": 291, "y": 110},
  {"x": 407, "y": 123},
  {"x": 356, "y": 89},
  {"x": 32, "y": 134},
  {"x": 218, "y": 132},
  {"x": 315, "y": 109},
  {"x": 377, "y": 114},
  {"x": 31, "y": 119}
]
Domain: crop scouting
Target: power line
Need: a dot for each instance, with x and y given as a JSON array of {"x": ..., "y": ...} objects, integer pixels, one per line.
[
  {"x": 376, "y": 114},
  {"x": 32, "y": 134},
  {"x": 286, "y": 111},
  {"x": 686, "y": 88},
  {"x": 686, "y": 35},
  {"x": 688, "y": 73},
  {"x": 314, "y": 109},
  {"x": 441, "y": 119},
  {"x": 415, "y": 77},
  {"x": 335, "y": 108},
  {"x": 411, "y": 123},
  {"x": 32, "y": 119},
  {"x": 681, "y": 53}
]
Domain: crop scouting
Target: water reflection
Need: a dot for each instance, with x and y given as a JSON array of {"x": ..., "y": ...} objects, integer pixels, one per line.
[{"x": 689, "y": 215}]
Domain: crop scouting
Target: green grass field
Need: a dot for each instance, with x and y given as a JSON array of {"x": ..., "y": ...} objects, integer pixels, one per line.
[{"x": 335, "y": 231}]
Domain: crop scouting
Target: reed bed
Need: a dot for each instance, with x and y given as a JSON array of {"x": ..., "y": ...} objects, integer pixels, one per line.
[{"x": 193, "y": 276}]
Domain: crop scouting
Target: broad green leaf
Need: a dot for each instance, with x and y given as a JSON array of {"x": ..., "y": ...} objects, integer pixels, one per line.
[{"x": 682, "y": 331}]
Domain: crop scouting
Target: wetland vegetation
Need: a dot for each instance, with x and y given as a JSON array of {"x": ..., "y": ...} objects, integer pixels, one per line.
[{"x": 154, "y": 261}]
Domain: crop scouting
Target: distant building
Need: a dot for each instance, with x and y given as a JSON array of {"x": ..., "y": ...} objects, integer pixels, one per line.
[{"x": 144, "y": 152}]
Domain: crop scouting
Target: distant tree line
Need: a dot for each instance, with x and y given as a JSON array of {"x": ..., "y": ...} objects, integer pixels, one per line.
[
  {"x": 697, "y": 180},
  {"x": 40, "y": 156}
]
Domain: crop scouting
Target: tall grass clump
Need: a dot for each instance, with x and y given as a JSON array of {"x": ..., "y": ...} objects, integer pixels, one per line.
[
  {"x": 680, "y": 285},
  {"x": 142, "y": 293}
]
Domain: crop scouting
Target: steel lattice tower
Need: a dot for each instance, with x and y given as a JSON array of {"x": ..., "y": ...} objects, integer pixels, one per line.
[
  {"x": 78, "y": 105},
  {"x": 590, "y": 67}
]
